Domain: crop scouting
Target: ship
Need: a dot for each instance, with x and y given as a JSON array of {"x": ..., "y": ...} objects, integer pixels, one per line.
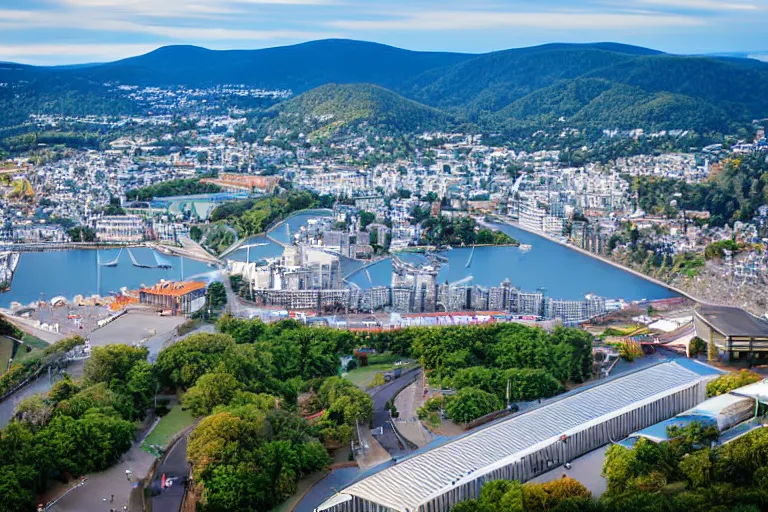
[{"x": 525, "y": 247}]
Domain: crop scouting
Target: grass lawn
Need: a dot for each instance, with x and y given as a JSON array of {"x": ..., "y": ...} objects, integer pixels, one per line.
[
  {"x": 362, "y": 377},
  {"x": 172, "y": 423},
  {"x": 6, "y": 349}
]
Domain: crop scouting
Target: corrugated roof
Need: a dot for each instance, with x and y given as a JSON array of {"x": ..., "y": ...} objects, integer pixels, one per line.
[
  {"x": 413, "y": 481},
  {"x": 732, "y": 321}
]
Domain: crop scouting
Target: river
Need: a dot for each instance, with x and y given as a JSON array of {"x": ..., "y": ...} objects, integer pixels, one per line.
[{"x": 562, "y": 272}]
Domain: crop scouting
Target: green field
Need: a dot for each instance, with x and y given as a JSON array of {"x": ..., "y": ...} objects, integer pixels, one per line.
[
  {"x": 363, "y": 377},
  {"x": 171, "y": 424},
  {"x": 6, "y": 350}
]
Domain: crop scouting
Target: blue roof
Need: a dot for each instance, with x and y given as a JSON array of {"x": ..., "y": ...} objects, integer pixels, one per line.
[{"x": 702, "y": 369}]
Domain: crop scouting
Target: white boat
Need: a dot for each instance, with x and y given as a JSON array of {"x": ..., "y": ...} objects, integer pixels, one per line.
[{"x": 525, "y": 247}]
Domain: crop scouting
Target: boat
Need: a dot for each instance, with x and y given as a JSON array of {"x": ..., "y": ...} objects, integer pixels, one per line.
[{"x": 525, "y": 247}]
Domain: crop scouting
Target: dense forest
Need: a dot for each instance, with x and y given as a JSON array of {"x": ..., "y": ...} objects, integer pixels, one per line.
[
  {"x": 181, "y": 187},
  {"x": 442, "y": 231},
  {"x": 512, "y": 92},
  {"x": 732, "y": 194},
  {"x": 253, "y": 216},
  {"x": 336, "y": 108}
]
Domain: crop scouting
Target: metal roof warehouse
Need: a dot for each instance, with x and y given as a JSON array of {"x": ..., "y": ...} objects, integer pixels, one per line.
[
  {"x": 732, "y": 333},
  {"x": 528, "y": 444}
]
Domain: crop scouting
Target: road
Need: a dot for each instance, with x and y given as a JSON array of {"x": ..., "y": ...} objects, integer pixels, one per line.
[
  {"x": 111, "y": 488},
  {"x": 381, "y": 395},
  {"x": 174, "y": 465}
]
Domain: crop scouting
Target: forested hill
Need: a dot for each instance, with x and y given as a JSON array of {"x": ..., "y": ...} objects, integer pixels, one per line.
[
  {"x": 336, "y": 107},
  {"x": 602, "y": 85},
  {"x": 298, "y": 67}
]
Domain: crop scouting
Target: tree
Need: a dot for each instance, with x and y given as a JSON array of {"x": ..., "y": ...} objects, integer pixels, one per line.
[
  {"x": 697, "y": 468},
  {"x": 112, "y": 363},
  {"x": 210, "y": 390},
  {"x": 184, "y": 362},
  {"x": 217, "y": 295},
  {"x": 195, "y": 233},
  {"x": 366, "y": 219},
  {"x": 471, "y": 403}
]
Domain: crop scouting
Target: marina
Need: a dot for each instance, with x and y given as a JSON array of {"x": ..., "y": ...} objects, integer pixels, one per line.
[
  {"x": 86, "y": 272},
  {"x": 545, "y": 266}
]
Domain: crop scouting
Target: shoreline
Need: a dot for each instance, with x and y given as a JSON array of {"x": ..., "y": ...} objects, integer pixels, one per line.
[{"x": 603, "y": 259}]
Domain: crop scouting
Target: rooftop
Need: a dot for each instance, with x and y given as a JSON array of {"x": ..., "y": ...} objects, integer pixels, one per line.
[
  {"x": 174, "y": 289},
  {"x": 731, "y": 321},
  {"x": 413, "y": 481}
]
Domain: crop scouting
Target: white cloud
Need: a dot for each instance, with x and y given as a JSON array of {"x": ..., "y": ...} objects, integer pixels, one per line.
[
  {"x": 702, "y": 5},
  {"x": 478, "y": 20},
  {"x": 178, "y": 9},
  {"x": 74, "y": 53},
  {"x": 19, "y": 19}
]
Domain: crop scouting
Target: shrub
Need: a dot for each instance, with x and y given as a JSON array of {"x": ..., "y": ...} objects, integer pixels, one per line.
[{"x": 730, "y": 381}]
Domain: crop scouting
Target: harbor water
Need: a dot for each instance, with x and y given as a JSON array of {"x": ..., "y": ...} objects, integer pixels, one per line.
[
  {"x": 561, "y": 272},
  {"x": 76, "y": 272},
  {"x": 558, "y": 271}
]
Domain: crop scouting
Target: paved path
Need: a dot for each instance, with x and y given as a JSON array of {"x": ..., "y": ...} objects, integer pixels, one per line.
[
  {"x": 327, "y": 487},
  {"x": 95, "y": 495},
  {"x": 174, "y": 465},
  {"x": 381, "y": 418}
]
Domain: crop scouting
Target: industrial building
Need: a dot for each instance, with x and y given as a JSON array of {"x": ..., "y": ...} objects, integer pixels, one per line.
[
  {"x": 179, "y": 298},
  {"x": 732, "y": 334},
  {"x": 528, "y": 444},
  {"x": 733, "y": 414}
]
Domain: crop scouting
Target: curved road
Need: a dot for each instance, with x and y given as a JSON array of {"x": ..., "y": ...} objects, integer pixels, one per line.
[{"x": 381, "y": 395}]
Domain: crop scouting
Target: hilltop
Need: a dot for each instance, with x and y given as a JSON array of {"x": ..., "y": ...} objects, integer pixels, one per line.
[
  {"x": 336, "y": 107},
  {"x": 600, "y": 85}
]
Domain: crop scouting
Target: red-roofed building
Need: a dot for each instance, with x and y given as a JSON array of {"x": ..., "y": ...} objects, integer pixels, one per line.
[{"x": 180, "y": 298}]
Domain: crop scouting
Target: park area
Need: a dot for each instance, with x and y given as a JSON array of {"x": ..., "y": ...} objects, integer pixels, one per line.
[
  {"x": 171, "y": 424},
  {"x": 371, "y": 372}
]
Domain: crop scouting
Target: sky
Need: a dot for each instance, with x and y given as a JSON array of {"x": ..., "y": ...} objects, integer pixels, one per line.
[{"x": 77, "y": 31}]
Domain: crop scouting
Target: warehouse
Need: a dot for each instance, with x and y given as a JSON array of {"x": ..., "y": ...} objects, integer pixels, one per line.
[
  {"x": 732, "y": 334},
  {"x": 528, "y": 444}
]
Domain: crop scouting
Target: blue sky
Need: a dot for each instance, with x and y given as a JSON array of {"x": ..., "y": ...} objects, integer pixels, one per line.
[{"x": 74, "y": 31}]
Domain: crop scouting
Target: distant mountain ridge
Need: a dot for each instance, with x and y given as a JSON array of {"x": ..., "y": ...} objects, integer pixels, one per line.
[{"x": 607, "y": 85}]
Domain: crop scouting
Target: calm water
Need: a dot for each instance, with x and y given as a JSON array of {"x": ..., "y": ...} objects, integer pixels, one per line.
[
  {"x": 70, "y": 273},
  {"x": 562, "y": 272},
  {"x": 269, "y": 249}
]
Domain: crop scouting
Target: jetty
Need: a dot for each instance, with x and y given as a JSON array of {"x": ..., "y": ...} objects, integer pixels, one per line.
[
  {"x": 135, "y": 261},
  {"x": 112, "y": 263},
  {"x": 471, "y": 255},
  {"x": 161, "y": 262}
]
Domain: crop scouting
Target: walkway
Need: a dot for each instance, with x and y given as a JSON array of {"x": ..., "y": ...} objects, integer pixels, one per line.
[
  {"x": 389, "y": 439},
  {"x": 99, "y": 488},
  {"x": 175, "y": 466}
]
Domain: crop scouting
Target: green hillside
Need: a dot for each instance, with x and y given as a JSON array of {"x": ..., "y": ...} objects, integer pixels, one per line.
[
  {"x": 334, "y": 107},
  {"x": 599, "y": 103},
  {"x": 600, "y": 85}
]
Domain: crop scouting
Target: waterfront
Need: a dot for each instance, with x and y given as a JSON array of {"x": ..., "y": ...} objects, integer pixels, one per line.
[
  {"x": 562, "y": 272},
  {"x": 75, "y": 272},
  {"x": 266, "y": 248}
]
